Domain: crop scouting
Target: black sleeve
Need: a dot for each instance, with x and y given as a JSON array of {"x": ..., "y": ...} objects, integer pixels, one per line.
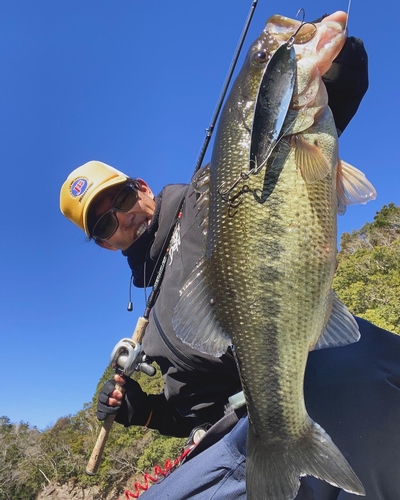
[
  {"x": 156, "y": 413},
  {"x": 166, "y": 419},
  {"x": 150, "y": 410},
  {"x": 347, "y": 82}
]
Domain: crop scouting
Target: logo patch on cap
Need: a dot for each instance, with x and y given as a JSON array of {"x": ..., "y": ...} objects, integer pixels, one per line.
[{"x": 79, "y": 186}]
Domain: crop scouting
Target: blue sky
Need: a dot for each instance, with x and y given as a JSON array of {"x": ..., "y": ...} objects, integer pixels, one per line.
[{"x": 134, "y": 84}]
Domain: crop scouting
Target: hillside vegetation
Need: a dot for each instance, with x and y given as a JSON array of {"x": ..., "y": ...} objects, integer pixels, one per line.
[
  {"x": 30, "y": 459},
  {"x": 368, "y": 275},
  {"x": 367, "y": 281}
]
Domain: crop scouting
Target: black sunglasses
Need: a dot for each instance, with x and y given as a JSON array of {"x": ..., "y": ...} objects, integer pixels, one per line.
[{"x": 107, "y": 224}]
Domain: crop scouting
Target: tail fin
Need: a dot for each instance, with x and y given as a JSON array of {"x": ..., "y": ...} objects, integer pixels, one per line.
[{"x": 276, "y": 475}]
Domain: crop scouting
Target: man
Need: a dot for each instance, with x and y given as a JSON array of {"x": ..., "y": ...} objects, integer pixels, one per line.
[
  {"x": 353, "y": 392},
  {"x": 122, "y": 213}
]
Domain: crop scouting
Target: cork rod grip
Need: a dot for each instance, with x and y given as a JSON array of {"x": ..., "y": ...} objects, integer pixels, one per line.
[
  {"x": 97, "y": 453},
  {"x": 140, "y": 329}
]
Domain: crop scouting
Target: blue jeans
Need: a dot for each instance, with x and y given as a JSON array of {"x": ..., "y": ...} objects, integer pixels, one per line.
[{"x": 218, "y": 473}]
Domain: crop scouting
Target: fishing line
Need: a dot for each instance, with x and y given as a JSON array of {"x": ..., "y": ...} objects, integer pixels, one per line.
[
  {"x": 348, "y": 12},
  {"x": 209, "y": 131}
]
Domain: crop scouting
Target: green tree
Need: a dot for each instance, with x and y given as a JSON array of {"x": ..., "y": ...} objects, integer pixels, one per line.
[
  {"x": 368, "y": 275},
  {"x": 21, "y": 473}
]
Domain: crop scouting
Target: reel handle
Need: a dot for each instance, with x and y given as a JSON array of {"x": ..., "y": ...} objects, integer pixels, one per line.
[{"x": 95, "y": 457}]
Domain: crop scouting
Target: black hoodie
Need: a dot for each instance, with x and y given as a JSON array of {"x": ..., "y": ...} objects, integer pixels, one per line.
[{"x": 197, "y": 386}]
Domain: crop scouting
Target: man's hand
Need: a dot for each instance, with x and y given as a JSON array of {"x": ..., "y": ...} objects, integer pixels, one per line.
[
  {"x": 110, "y": 399},
  {"x": 130, "y": 408},
  {"x": 347, "y": 79}
]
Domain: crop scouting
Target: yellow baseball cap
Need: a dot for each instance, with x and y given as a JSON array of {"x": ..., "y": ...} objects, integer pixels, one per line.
[{"x": 82, "y": 185}]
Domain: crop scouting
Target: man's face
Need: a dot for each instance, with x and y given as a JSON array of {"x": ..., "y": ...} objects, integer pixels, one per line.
[{"x": 133, "y": 223}]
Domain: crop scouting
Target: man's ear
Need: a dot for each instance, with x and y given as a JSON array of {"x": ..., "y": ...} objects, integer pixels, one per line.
[
  {"x": 106, "y": 245},
  {"x": 144, "y": 187}
]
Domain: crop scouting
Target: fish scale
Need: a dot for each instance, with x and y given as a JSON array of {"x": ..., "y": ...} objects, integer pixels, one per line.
[{"x": 287, "y": 320}]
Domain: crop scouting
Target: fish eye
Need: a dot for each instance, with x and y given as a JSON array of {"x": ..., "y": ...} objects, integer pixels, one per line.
[{"x": 260, "y": 57}]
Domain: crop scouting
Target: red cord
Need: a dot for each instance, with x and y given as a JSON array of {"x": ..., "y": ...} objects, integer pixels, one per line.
[{"x": 168, "y": 467}]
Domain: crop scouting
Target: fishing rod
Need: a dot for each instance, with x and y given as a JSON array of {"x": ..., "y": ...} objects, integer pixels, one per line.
[{"x": 210, "y": 129}]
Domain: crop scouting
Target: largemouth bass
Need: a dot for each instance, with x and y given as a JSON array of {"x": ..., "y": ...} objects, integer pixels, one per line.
[{"x": 264, "y": 284}]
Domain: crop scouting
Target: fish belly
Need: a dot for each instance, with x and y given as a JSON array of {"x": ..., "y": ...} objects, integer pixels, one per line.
[{"x": 273, "y": 289}]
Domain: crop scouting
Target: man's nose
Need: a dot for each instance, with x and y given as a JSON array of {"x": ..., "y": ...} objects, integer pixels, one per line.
[{"x": 124, "y": 217}]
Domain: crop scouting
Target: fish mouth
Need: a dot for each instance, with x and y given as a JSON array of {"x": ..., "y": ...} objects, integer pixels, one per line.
[
  {"x": 330, "y": 42},
  {"x": 339, "y": 17},
  {"x": 282, "y": 28}
]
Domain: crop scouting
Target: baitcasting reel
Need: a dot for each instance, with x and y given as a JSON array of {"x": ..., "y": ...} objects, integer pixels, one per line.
[{"x": 128, "y": 356}]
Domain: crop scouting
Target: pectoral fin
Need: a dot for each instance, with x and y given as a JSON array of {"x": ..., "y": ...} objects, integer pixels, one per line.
[
  {"x": 352, "y": 187},
  {"x": 341, "y": 329},
  {"x": 194, "y": 318},
  {"x": 310, "y": 160}
]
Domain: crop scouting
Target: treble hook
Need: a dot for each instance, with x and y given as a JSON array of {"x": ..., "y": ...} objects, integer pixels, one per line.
[
  {"x": 239, "y": 200},
  {"x": 304, "y": 14},
  {"x": 242, "y": 176},
  {"x": 291, "y": 40}
]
